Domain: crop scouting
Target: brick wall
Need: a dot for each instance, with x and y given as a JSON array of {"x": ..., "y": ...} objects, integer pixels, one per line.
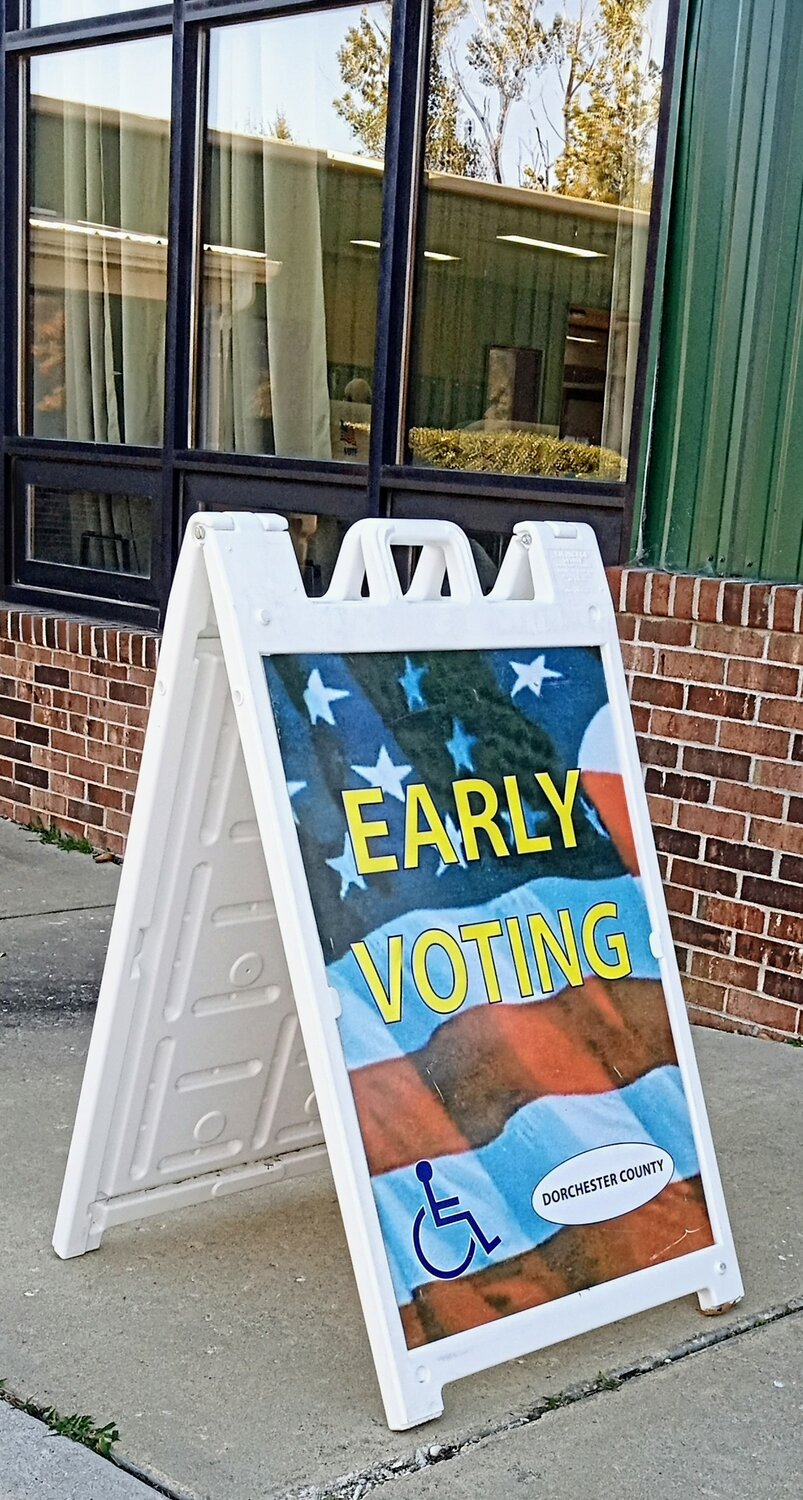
[
  {"x": 715, "y": 676},
  {"x": 714, "y": 670},
  {"x": 73, "y": 708}
]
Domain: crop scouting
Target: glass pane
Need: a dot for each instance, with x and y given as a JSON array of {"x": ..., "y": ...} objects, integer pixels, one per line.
[
  {"x": 291, "y": 234},
  {"x": 79, "y": 529},
  {"x": 541, "y": 140},
  {"x": 50, "y": 12},
  {"x": 98, "y": 158}
]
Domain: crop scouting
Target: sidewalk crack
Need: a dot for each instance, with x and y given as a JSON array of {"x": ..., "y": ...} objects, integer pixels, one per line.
[{"x": 357, "y": 1485}]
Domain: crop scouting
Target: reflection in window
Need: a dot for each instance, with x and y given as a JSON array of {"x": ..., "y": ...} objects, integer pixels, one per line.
[
  {"x": 540, "y": 148},
  {"x": 111, "y": 533},
  {"x": 98, "y": 155},
  {"x": 290, "y": 239},
  {"x": 50, "y": 12}
]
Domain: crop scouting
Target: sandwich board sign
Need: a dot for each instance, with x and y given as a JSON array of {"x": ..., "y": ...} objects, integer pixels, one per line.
[{"x": 391, "y": 894}]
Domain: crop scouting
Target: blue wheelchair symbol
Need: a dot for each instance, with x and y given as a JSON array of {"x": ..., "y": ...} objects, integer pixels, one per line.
[{"x": 443, "y": 1213}]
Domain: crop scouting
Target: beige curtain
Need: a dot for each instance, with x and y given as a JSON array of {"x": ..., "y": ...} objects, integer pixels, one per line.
[
  {"x": 265, "y": 319},
  {"x": 100, "y": 243}
]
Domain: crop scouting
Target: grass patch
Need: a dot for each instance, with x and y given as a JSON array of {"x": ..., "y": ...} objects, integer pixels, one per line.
[
  {"x": 78, "y": 1428},
  {"x": 64, "y": 841}
]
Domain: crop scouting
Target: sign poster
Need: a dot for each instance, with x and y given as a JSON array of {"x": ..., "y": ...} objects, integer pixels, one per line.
[{"x": 466, "y": 838}]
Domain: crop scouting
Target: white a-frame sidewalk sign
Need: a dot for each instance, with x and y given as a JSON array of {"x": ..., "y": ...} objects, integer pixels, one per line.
[{"x": 391, "y": 894}]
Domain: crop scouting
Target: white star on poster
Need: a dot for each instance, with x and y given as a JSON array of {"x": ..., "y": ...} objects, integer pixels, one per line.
[
  {"x": 318, "y": 698},
  {"x": 532, "y": 675},
  {"x": 346, "y": 868},
  {"x": 460, "y": 747},
  {"x": 410, "y": 682},
  {"x": 293, "y": 789},
  {"x": 456, "y": 841},
  {"x": 385, "y": 775}
]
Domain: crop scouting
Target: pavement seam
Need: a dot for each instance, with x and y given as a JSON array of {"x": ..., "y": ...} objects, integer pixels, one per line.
[
  {"x": 356, "y": 1486},
  {"x": 57, "y": 911}
]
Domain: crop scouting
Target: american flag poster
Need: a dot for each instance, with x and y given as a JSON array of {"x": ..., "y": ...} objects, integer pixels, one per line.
[{"x": 465, "y": 834}]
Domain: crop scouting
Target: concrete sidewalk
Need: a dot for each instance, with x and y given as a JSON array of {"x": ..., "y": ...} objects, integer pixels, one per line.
[{"x": 227, "y": 1344}]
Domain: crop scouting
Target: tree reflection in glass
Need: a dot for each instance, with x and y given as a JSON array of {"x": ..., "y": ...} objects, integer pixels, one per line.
[{"x": 541, "y": 129}]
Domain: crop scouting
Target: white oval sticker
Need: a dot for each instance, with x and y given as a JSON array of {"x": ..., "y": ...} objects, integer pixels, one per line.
[{"x": 603, "y": 1184}]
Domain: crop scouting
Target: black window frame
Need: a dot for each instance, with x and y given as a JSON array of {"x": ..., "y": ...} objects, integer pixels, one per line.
[{"x": 180, "y": 478}]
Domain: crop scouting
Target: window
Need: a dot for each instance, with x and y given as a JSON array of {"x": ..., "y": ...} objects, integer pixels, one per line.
[
  {"x": 98, "y": 155},
  {"x": 80, "y": 529},
  {"x": 254, "y": 305},
  {"x": 291, "y": 240},
  {"x": 51, "y": 12},
  {"x": 541, "y": 141}
]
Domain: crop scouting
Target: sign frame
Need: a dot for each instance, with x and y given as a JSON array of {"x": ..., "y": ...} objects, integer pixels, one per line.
[{"x": 238, "y": 578}]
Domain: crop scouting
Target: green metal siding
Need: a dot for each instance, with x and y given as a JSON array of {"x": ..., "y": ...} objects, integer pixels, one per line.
[{"x": 725, "y": 479}]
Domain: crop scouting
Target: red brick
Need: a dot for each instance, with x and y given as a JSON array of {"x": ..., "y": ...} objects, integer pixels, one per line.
[
  {"x": 125, "y": 781},
  {"x": 15, "y": 792},
  {"x": 785, "y": 605},
  {"x": 679, "y": 900},
  {"x": 748, "y": 1006},
  {"x": 658, "y": 595},
  {"x": 758, "y": 607},
  {"x": 705, "y": 877},
  {"x": 658, "y": 752},
  {"x": 748, "y": 799},
  {"x": 709, "y": 599},
  {"x": 700, "y": 935},
  {"x": 614, "y": 577},
  {"x": 70, "y": 744},
  {"x": 762, "y": 677},
  {"x": 673, "y": 841},
  {"x": 731, "y": 914},
  {"x": 29, "y": 775},
  {"x": 784, "y": 712},
  {"x": 725, "y": 825},
  {"x": 739, "y": 856},
  {"x": 665, "y": 632},
  {"x": 733, "y": 603},
  {"x": 783, "y": 777},
  {"x": 52, "y": 676},
  {"x": 67, "y": 786},
  {"x": 636, "y": 586},
  {"x": 626, "y": 627},
  {"x": 726, "y": 705},
  {"x": 691, "y": 666},
  {"x": 85, "y": 812},
  {"x": 104, "y": 796},
  {"x": 791, "y": 869},
  {"x": 661, "y": 809},
  {"x": 785, "y": 927},
  {"x": 657, "y": 690},
  {"x": 783, "y": 836},
  {"x": 13, "y": 749},
  {"x": 754, "y": 739},
  {"x": 716, "y": 763},
  {"x": 724, "y": 641},
  {"x": 721, "y": 970},
  {"x": 785, "y": 957},
  {"x": 638, "y": 658},
  {"x": 33, "y": 734},
  {"x": 82, "y": 768},
  {"x": 786, "y": 648},
  {"x": 683, "y": 727},
  {"x": 787, "y": 896},
  {"x": 138, "y": 717}
]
